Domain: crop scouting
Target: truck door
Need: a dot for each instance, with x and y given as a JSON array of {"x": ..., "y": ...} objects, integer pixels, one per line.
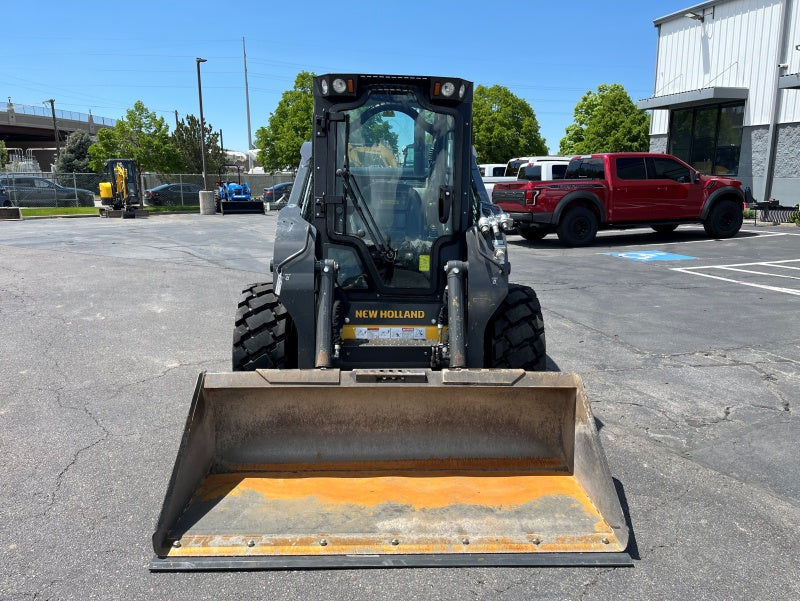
[
  {"x": 634, "y": 196},
  {"x": 673, "y": 181}
]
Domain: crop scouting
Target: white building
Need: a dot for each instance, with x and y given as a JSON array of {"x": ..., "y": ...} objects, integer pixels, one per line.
[{"x": 726, "y": 97}]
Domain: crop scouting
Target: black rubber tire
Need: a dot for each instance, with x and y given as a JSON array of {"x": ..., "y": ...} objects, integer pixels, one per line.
[
  {"x": 724, "y": 220},
  {"x": 515, "y": 334},
  {"x": 666, "y": 228},
  {"x": 577, "y": 227},
  {"x": 263, "y": 335},
  {"x": 532, "y": 234}
]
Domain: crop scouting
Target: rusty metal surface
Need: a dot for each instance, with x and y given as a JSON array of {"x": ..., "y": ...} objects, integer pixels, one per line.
[
  {"x": 509, "y": 466},
  {"x": 328, "y": 513}
]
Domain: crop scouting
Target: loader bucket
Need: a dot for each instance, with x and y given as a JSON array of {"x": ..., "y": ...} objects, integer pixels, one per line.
[{"x": 327, "y": 468}]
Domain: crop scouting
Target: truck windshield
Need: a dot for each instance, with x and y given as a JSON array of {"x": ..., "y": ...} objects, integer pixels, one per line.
[{"x": 393, "y": 158}]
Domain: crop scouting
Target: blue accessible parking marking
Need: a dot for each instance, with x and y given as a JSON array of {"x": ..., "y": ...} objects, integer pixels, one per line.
[{"x": 651, "y": 255}]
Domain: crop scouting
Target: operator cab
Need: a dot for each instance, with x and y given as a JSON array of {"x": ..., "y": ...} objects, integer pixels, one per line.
[{"x": 398, "y": 164}]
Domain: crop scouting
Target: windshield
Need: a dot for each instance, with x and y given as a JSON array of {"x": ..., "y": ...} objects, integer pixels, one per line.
[{"x": 395, "y": 159}]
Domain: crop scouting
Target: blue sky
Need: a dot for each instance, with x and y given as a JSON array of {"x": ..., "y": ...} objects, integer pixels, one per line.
[{"x": 103, "y": 56}]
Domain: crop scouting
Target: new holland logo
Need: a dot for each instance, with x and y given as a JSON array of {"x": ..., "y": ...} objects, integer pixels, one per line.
[{"x": 388, "y": 314}]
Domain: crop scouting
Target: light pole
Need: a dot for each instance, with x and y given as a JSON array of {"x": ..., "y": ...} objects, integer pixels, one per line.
[
  {"x": 202, "y": 122},
  {"x": 55, "y": 127}
]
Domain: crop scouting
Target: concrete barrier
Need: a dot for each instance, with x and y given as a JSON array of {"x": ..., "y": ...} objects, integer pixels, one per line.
[
  {"x": 207, "y": 203},
  {"x": 10, "y": 213}
]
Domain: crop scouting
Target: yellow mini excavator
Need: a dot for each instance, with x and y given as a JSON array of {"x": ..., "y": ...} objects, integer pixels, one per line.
[{"x": 120, "y": 195}]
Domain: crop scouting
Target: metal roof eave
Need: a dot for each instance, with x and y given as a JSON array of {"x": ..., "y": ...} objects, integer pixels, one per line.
[
  {"x": 789, "y": 82},
  {"x": 694, "y": 98},
  {"x": 681, "y": 14}
]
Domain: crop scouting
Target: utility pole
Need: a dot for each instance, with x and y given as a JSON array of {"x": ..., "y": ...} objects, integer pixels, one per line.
[
  {"x": 202, "y": 122},
  {"x": 247, "y": 101},
  {"x": 55, "y": 128}
]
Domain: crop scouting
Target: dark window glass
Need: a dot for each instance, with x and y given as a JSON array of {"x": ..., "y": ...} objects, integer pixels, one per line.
[
  {"x": 513, "y": 168},
  {"x": 729, "y": 140},
  {"x": 664, "y": 168},
  {"x": 680, "y": 135},
  {"x": 631, "y": 168},
  {"x": 532, "y": 173},
  {"x": 709, "y": 138},
  {"x": 498, "y": 171},
  {"x": 585, "y": 169},
  {"x": 705, "y": 131},
  {"x": 559, "y": 171}
]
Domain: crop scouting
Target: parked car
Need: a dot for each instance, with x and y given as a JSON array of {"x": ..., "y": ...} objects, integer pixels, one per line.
[
  {"x": 619, "y": 191},
  {"x": 30, "y": 191},
  {"x": 173, "y": 194},
  {"x": 278, "y": 195}
]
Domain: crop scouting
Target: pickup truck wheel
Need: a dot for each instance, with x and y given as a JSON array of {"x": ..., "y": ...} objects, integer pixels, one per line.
[
  {"x": 515, "y": 334},
  {"x": 263, "y": 334},
  {"x": 577, "y": 227},
  {"x": 667, "y": 228},
  {"x": 724, "y": 220},
  {"x": 532, "y": 233}
]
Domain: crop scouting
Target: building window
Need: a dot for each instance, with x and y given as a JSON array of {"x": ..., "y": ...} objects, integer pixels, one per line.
[{"x": 709, "y": 138}]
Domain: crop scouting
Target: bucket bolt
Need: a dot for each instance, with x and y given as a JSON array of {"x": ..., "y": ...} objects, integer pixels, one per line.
[{"x": 395, "y": 541}]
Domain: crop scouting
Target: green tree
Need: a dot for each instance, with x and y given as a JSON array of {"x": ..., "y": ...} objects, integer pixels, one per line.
[
  {"x": 288, "y": 127},
  {"x": 606, "y": 121},
  {"x": 75, "y": 156},
  {"x": 504, "y": 126},
  {"x": 3, "y": 155},
  {"x": 186, "y": 138},
  {"x": 141, "y": 136}
]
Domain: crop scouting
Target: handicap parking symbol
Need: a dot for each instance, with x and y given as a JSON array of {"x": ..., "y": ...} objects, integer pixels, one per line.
[{"x": 650, "y": 255}]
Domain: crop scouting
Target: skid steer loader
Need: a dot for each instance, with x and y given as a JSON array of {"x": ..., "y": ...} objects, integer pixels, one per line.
[{"x": 388, "y": 404}]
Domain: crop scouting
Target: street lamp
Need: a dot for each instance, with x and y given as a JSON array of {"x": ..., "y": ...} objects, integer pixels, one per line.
[
  {"x": 55, "y": 127},
  {"x": 202, "y": 122}
]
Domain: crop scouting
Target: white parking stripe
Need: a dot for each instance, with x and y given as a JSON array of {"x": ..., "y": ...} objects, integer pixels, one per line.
[
  {"x": 773, "y": 275},
  {"x": 758, "y": 234},
  {"x": 737, "y": 267}
]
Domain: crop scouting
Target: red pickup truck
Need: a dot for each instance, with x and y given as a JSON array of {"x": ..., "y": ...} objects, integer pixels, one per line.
[{"x": 619, "y": 191}]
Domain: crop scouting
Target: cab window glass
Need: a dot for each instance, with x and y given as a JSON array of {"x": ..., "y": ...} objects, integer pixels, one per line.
[
  {"x": 664, "y": 168},
  {"x": 591, "y": 168},
  {"x": 631, "y": 168},
  {"x": 532, "y": 173}
]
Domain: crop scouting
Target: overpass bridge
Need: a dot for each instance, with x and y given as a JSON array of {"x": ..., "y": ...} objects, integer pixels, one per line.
[{"x": 30, "y": 129}]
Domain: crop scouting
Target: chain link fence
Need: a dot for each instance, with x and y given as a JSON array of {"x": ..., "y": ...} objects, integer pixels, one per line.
[{"x": 43, "y": 189}]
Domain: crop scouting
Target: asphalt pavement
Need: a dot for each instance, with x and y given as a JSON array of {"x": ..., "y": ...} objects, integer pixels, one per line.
[{"x": 689, "y": 349}]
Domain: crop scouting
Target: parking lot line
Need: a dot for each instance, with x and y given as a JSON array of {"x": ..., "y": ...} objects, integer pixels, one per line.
[
  {"x": 758, "y": 234},
  {"x": 739, "y": 267}
]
